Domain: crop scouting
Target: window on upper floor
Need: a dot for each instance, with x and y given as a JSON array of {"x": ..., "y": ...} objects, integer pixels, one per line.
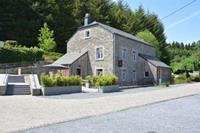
[
  {"x": 134, "y": 54},
  {"x": 99, "y": 53},
  {"x": 87, "y": 34},
  {"x": 124, "y": 54}
]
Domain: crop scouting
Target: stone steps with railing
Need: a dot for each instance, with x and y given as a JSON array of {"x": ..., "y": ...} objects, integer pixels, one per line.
[{"x": 17, "y": 86}]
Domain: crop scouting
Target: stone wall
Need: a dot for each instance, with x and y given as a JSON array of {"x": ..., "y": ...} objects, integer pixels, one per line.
[
  {"x": 99, "y": 37},
  {"x": 130, "y": 65},
  {"x": 83, "y": 64}
]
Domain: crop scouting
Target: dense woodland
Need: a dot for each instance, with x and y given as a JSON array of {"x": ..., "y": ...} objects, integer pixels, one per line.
[{"x": 21, "y": 20}]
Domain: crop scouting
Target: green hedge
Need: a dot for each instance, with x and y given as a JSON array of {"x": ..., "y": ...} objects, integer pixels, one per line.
[
  {"x": 102, "y": 80},
  {"x": 10, "y": 53},
  {"x": 183, "y": 79},
  {"x": 59, "y": 80}
]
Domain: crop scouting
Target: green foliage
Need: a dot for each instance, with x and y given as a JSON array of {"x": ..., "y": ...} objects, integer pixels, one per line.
[
  {"x": 11, "y": 42},
  {"x": 64, "y": 16},
  {"x": 10, "y": 53},
  {"x": 164, "y": 84},
  {"x": 46, "y": 39},
  {"x": 181, "y": 79},
  {"x": 184, "y": 56},
  {"x": 50, "y": 57},
  {"x": 102, "y": 80},
  {"x": 92, "y": 79},
  {"x": 58, "y": 80},
  {"x": 147, "y": 36},
  {"x": 47, "y": 81}
]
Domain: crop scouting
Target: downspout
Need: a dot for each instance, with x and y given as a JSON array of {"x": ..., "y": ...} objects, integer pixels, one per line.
[{"x": 113, "y": 53}]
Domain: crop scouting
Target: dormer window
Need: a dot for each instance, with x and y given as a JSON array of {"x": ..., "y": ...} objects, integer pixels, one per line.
[{"x": 87, "y": 34}]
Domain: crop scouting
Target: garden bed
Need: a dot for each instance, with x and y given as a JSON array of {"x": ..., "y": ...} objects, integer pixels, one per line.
[
  {"x": 61, "y": 90},
  {"x": 110, "y": 88}
]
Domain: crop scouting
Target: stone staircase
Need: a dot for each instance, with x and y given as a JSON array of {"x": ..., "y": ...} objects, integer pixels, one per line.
[{"x": 17, "y": 86}]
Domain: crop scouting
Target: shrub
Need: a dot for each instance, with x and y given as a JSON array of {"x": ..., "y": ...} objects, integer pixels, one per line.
[
  {"x": 104, "y": 80},
  {"x": 47, "y": 81},
  {"x": 50, "y": 57},
  {"x": 181, "y": 79},
  {"x": 92, "y": 80},
  {"x": 10, "y": 53},
  {"x": 59, "y": 80},
  {"x": 195, "y": 78},
  {"x": 165, "y": 84}
]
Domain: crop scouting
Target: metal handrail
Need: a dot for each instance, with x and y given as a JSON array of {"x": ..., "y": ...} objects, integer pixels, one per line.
[{"x": 5, "y": 79}]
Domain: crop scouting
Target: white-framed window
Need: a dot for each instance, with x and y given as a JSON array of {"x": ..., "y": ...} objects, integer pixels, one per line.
[
  {"x": 134, "y": 55},
  {"x": 124, "y": 54},
  {"x": 146, "y": 70},
  {"x": 99, "y": 53},
  {"x": 99, "y": 71},
  {"x": 123, "y": 74},
  {"x": 134, "y": 75},
  {"x": 87, "y": 34}
]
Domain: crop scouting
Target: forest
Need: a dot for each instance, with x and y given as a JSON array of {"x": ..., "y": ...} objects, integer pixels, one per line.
[{"x": 21, "y": 20}]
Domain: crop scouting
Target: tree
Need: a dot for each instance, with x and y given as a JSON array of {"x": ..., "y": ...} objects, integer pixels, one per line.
[
  {"x": 151, "y": 39},
  {"x": 46, "y": 38}
]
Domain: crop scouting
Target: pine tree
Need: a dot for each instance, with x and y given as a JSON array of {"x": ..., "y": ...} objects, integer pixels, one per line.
[{"x": 46, "y": 39}]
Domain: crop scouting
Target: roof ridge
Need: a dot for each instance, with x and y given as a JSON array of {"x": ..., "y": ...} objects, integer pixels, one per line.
[{"x": 119, "y": 32}]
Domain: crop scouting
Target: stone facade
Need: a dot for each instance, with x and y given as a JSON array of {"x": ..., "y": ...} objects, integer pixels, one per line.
[
  {"x": 99, "y": 38},
  {"x": 128, "y": 66}
]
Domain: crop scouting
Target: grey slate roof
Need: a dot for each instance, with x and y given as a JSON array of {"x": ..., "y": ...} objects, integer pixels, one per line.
[
  {"x": 66, "y": 59},
  {"x": 117, "y": 31},
  {"x": 154, "y": 61},
  {"x": 69, "y": 58}
]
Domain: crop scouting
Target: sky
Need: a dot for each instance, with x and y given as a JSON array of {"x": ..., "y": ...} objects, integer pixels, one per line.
[{"x": 183, "y": 26}]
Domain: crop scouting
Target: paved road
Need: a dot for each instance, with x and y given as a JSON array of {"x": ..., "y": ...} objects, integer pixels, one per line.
[
  {"x": 176, "y": 116},
  {"x": 25, "y": 112}
]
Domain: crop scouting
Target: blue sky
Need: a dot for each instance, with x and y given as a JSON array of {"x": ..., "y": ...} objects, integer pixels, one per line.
[{"x": 184, "y": 26}]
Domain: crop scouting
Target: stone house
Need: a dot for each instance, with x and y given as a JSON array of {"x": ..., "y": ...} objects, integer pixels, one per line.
[{"x": 100, "y": 49}]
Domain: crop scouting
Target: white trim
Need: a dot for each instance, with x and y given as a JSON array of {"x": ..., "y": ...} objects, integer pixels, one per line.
[
  {"x": 146, "y": 69},
  {"x": 97, "y": 59},
  {"x": 133, "y": 50},
  {"x": 122, "y": 50},
  {"x": 121, "y": 75},
  {"x": 99, "y": 68},
  {"x": 134, "y": 78},
  {"x": 87, "y": 30}
]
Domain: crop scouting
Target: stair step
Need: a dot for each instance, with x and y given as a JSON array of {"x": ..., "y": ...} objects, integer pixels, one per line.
[
  {"x": 16, "y": 78},
  {"x": 18, "y": 89}
]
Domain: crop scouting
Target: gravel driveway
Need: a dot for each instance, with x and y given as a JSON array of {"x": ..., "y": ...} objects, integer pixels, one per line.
[{"x": 24, "y": 112}]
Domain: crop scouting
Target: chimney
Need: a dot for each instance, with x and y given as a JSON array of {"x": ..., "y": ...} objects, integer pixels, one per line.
[{"x": 87, "y": 19}]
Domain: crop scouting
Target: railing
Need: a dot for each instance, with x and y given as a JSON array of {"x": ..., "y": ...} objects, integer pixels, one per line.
[{"x": 33, "y": 81}]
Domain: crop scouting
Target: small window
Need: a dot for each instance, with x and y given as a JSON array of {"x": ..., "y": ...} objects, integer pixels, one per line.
[
  {"x": 123, "y": 74},
  {"x": 99, "y": 71},
  {"x": 134, "y": 55},
  {"x": 146, "y": 70},
  {"x": 146, "y": 74},
  {"x": 134, "y": 75},
  {"x": 78, "y": 71},
  {"x": 99, "y": 53},
  {"x": 124, "y": 54},
  {"x": 87, "y": 34}
]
